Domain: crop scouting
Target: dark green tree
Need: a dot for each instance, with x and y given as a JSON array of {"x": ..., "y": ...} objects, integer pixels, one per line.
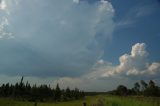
[
  {"x": 57, "y": 93},
  {"x": 121, "y": 90},
  {"x": 144, "y": 85},
  {"x": 24, "y": 91},
  {"x": 137, "y": 88},
  {"x": 151, "y": 84},
  {"x": 152, "y": 89},
  {"x": 68, "y": 94}
]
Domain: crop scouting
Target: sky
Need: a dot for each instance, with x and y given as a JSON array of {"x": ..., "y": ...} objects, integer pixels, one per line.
[{"x": 94, "y": 45}]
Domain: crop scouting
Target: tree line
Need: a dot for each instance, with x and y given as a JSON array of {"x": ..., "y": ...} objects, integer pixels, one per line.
[
  {"x": 25, "y": 91},
  {"x": 140, "y": 88}
]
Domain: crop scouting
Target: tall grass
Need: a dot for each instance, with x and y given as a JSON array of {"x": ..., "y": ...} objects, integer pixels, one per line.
[{"x": 91, "y": 101}]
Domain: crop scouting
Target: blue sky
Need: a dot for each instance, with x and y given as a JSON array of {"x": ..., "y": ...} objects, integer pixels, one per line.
[
  {"x": 97, "y": 44},
  {"x": 144, "y": 28}
]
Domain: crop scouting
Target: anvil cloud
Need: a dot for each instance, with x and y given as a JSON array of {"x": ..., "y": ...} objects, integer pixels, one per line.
[{"x": 53, "y": 37}]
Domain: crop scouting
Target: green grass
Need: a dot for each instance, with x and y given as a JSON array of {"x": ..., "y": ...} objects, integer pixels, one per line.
[
  {"x": 107, "y": 101},
  {"x": 131, "y": 101}
]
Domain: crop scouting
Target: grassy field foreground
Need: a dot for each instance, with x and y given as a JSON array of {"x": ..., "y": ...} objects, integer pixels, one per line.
[{"x": 91, "y": 101}]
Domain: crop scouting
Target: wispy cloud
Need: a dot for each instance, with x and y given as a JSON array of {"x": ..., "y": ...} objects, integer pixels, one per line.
[{"x": 136, "y": 13}]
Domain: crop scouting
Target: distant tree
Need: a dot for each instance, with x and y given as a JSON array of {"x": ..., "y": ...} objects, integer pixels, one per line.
[
  {"x": 6, "y": 90},
  {"x": 144, "y": 85},
  {"x": 57, "y": 93},
  {"x": 67, "y": 94},
  {"x": 76, "y": 93},
  {"x": 3, "y": 90},
  {"x": 137, "y": 87},
  {"x": 121, "y": 90},
  {"x": 147, "y": 89},
  {"x": 131, "y": 92},
  {"x": 21, "y": 82},
  {"x": 152, "y": 89},
  {"x": 25, "y": 91},
  {"x": 151, "y": 84}
]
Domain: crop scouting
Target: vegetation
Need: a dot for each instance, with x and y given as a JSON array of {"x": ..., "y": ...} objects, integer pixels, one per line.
[
  {"x": 41, "y": 93},
  {"x": 102, "y": 100},
  {"x": 139, "y": 89},
  {"x": 23, "y": 94}
]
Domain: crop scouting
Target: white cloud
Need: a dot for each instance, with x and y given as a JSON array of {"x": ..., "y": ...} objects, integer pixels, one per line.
[
  {"x": 132, "y": 66},
  {"x": 135, "y": 63},
  {"x": 105, "y": 5},
  {"x": 154, "y": 68},
  {"x": 139, "y": 49},
  {"x": 3, "y": 5}
]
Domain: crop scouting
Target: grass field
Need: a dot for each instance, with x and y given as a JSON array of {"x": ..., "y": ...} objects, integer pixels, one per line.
[{"x": 103, "y": 100}]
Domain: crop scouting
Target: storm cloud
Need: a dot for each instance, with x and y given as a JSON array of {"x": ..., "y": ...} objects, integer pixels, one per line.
[{"x": 53, "y": 37}]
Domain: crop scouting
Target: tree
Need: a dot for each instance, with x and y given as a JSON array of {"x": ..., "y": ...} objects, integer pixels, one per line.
[
  {"x": 152, "y": 89},
  {"x": 68, "y": 93},
  {"x": 57, "y": 93},
  {"x": 76, "y": 93},
  {"x": 21, "y": 87},
  {"x": 137, "y": 87},
  {"x": 144, "y": 85},
  {"x": 121, "y": 90},
  {"x": 151, "y": 84},
  {"x": 25, "y": 91}
]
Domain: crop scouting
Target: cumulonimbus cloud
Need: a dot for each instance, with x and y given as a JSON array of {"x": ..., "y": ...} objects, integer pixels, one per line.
[{"x": 54, "y": 37}]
